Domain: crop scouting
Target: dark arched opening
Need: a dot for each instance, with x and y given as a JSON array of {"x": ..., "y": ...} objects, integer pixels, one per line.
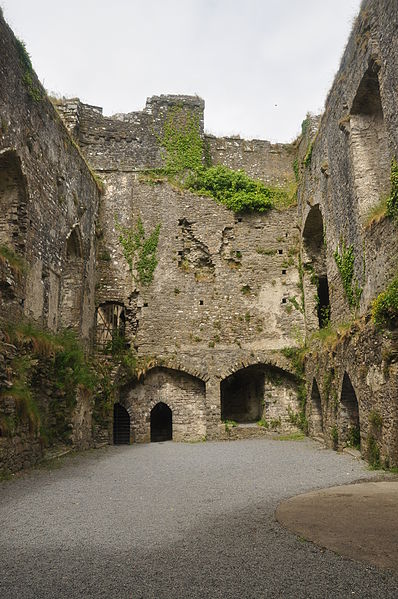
[
  {"x": 315, "y": 262},
  {"x": 349, "y": 415},
  {"x": 316, "y": 410},
  {"x": 242, "y": 395},
  {"x": 121, "y": 425},
  {"x": 161, "y": 423}
]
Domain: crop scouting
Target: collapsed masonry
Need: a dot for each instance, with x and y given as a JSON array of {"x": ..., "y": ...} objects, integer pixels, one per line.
[{"x": 213, "y": 334}]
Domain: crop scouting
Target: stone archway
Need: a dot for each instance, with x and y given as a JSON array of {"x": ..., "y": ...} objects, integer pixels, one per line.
[
  {"x": 369, "y": 143},
  {"x": 121, "y": 425},
  {"x": 183, "y": 393},
  {"x": 242, "y": 395},
  {"x": 349, "y": 425},
  {"x": 260, "y": 393},
  {"x": 161, "y": 423}
]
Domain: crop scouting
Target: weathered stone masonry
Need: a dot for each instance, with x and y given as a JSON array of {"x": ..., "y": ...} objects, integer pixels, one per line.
[
  {"x": 230, "y": 291},
  {"x": 354, "y": 376},
  {"x": 49, "y": 203}
]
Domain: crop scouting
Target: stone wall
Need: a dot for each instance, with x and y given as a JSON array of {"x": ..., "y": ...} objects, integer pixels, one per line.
[
  {"x": 49, "y": 201},
  {"x": 48, "y": 193},
  {"x": 344, "y": 177},
  {"x": 366, "y": 360},
  {"x": 271, "y": 163},
  {"x": 230, "y": 291},
  {"x": 181, "y": 392},
  {"x": 345, "y": 170}
]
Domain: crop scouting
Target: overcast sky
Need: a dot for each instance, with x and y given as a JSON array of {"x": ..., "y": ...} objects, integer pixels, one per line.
[{"x": 260, "y": 65}]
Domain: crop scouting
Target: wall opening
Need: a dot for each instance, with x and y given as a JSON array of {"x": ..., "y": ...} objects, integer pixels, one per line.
[
  {"x": 323, "y": 308},
  {"x": 161, "y": 423},
  {"x": 111, "y": 326},
  {"x": 349, "y": 427},
  {"x": 121, "y": 425},
  {"x": 13, "y": 219},
  {"x": 316, "y": 410},
  {"x": 369, "y": 143},
  {"x": 242, "y": 396},
  {"x": 314, "y": 262},
  {"x": 72, "y": 281}
]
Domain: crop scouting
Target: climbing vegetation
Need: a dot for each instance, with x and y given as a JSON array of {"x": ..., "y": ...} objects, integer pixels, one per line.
[
  {"x": 308, "y": 156},
  {"x": 55, "y": 361},
  {"x": 234, "y": 189},
  {"x": 182, "y": 143},
  {"x": 139, "y": 250},
  {"x": 34, "y": 91},
  {"x": 345, "y": 263},
  {"x": 296, "y": 355},
  {"x": 187, "y": 165},
  {"x": 392, "y": 200},
  {"x": 17, "y": 263},
  {"x": 385, "y": 306},
  {"x": 387, "y": 206}
]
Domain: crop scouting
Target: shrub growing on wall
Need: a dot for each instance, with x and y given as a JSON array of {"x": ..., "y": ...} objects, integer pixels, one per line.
[
  {"x": 234, "y": 189},
  {"x": 385, "y": 306}
]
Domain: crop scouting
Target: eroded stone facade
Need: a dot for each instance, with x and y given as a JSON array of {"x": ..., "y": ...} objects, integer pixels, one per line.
[{"x": 231, "y": 292}]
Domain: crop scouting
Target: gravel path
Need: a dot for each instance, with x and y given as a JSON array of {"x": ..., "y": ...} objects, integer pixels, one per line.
[{"x": 168, "y": 521}]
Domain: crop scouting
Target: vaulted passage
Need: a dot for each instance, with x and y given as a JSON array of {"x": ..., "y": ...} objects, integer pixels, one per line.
[
  {"x": 161, "y": 423},
  {"x": 121, "y": 425},
  {"x": 316, "y": 410},
  {"x": 369, "y": 143},
  {"x": 349, "y": 428},
  {"x": 242, "y": 396}
]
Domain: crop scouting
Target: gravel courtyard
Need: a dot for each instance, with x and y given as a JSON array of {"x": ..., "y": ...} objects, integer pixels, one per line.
[{"x": 171, "y": 520}]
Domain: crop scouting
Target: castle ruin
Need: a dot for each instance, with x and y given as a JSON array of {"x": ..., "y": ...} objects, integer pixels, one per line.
[{"x": 197, "y": 321}]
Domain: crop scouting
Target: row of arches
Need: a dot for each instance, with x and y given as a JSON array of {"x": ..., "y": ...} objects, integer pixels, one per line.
[
  {"x": 348, "y": 418},
  {"x": 252, "y": 394},
  {"x": 161, "y": 424}
]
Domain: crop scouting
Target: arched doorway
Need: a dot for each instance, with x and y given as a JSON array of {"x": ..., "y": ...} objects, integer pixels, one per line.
[
  {"x": 316, "y": 410},
  {"x": 161, "y": 423},
  {"x": 121, "y": 425},
  {"x": 349, "y": 415}
]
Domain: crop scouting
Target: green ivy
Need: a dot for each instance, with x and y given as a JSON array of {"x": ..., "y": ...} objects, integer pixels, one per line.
[
  {"x": 181, "y": 142},
  {"x": 308, "y": 156},
  {"x": 385, "y": 306},
  {"x": 345, "y": 264},
  {"x": 139, "y": 250},
  {"x": 60, "y": 358},
  {"x": 34, "y": 91},
  {"x": 392, "y": 200},
  {"x": 296, "y": 170},
  {"x": 234, "y": 189},
  {"x": 16, "y": 262}
]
